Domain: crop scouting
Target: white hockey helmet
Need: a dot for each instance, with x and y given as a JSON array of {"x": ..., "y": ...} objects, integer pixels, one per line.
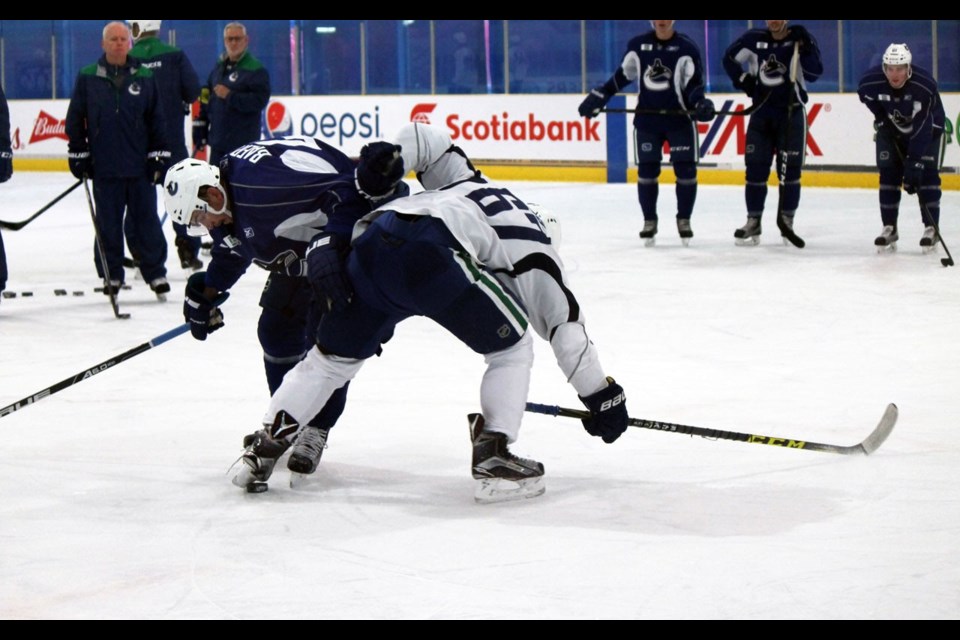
[
  {"x": 181, "y": 190},
  {"x": 549, "y": 221},
  {"x": 897, "y": 54},
  {"x": 139, "y": 27}
]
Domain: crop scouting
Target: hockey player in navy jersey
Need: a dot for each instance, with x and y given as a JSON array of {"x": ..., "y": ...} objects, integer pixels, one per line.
[
  {"x": 264, "y": 204},
  {"x": 669, "y": 73},
  {"x": 759, "y": 64},
  {"x": 908, "y": 117}
]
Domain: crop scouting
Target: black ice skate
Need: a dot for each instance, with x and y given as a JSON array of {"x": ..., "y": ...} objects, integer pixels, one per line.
[
  {"x": 306, "y": 452},
  {"x": 929, "y": 240},
  {"x": 887, "y": 240},
  {"x": 188, "y": 259},
  {"x": 748, "y": 234},
  {"x": 161, "y": 287},
  {"x": 500, "y": 475},
  {"x": 262, "y": 451},
  {"x": 685, "y": 231},
  {"x": 648, "y": 233}
]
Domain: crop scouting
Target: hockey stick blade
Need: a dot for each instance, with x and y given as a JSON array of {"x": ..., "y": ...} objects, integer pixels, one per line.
[
  {"x": 94, "y": 370},
  {"x": 867, "y": 446},
  {"x": 16, "y": 226}
]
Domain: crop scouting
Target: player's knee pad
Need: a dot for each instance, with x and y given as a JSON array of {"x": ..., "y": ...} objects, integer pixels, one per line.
[
  {"x": 648, "y": 171},
  {"x": 685, "y": 171}
]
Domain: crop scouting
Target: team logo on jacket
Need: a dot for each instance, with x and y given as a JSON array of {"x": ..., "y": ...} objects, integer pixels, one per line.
[
  {"x": 772, "y": 72},
  {"x": 276, "y": 121},
  {"x": 134, "y": 89},
  {"x": 657, "y": 77},
  {"x": 233, "y": 76}
]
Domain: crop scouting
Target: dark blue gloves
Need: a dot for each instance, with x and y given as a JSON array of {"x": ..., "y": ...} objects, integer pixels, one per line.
[
  {"x": 202, "y": 312},
  {"x": 6, "y": 165},
  {"x": 81, "y": 164},
  {"x": 157, "y": 163},
  {"x": 912, "y": 175},
  {"x": 380, "y": 170},
  {"x": 747, "y": 83},
  {"x": 608, "y": 412},
  {"x": 705, "y": 110},
  {"x": 593, "y": 103},
  {"x": 327, "y": 273},
  {"x": 801, "y": 35}
]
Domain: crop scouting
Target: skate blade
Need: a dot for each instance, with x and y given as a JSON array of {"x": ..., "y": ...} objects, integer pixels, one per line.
[
  {"x": 928, "y": 250},
  {"x": 297, "y": 480},
  {"x": 649, "y": 242},
  {"x": 752, "y": 241},
  {"x": 887, "y": 248},
  {"x": 685, "y": 241},
  {"x": 491, "y": 490},
  {"x": 162, "y": 297}
]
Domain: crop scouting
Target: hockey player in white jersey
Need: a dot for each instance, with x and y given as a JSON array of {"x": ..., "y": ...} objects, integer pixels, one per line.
[{"x": 456, "y": 191}]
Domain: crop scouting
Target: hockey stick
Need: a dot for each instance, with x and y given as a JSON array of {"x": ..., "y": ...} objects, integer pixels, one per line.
[
  {"x": 103, "y": 257},
  {"x": 16, "y": 226},
  {"x": 95, "y": 369},
  {"x": 785, "y": 230},
  {"x": 869, "y": 444},
  {"x": 948, "y": 261},
  {"x": 689, "y": 112}
]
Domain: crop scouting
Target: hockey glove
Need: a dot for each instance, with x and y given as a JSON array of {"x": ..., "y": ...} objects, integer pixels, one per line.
[
  {"x": 379, "y": 171},
  {"x": 81, "y": 164},
  {"x": 608, "y": 412},
  {"x": 747, "y": 83},
  {"x": 157, "y": 163},
  {"x": 327, "y": 273},
  {"x": 912, "y": 175},
  {"x": 593, "y": 103},
  {"x": 6, "y": 165},
  {"x": 705, "y": 110},
  {"x": 201, "y": 312},
  {"x": 801, "y": 35}
]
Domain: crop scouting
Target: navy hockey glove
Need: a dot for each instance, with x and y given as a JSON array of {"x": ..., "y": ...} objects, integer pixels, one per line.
[
  {"x": 380, "y": 170},
  {"x": 81, "y": 164},
  {"x": 747, "y": 83},
  {"x": 593, "y": 103},
  {"x": 157, "y": 163},
  {"x": 6, "y": 165},
  {"x": 801, "y": 35},
  {"x": 705, "y": 110},
  {"x": 912, "y": 175},
  {"x": 608, "y": 412},
  {"x": 201, "y": 312},
  {"x": 326, "y": 271}
]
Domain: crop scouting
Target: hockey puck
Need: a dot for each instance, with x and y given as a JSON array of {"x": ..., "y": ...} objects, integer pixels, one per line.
[
  {"x": 60, "y": 292},
  {"x": 27, "y": 294},
  {"x": 257, "y": 487},
  {"x": 76, "y": 293},
  {"x": 9, "y": 294}
]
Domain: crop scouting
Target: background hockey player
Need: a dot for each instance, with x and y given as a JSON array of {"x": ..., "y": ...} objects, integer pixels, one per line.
[
  {"x": 421, "y": 257},
  {"x": 759, "y": 64},
  {"x": 264, "y": 204},
  {"x": 908, "y": 117},
  {"x": 117, "y": 138},
  {"x": 538, "y": 278},
  {"x": 669, "y": 73},
  {"x": 179, "y": 86}
]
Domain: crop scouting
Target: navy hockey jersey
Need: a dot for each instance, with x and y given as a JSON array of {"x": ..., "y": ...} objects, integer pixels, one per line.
[
  {"x": 915, "y": 110},
  {"x": 758, "y": 54}
]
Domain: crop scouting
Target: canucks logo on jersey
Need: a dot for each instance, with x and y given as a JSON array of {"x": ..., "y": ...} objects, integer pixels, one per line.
[
  {"x": 772, "y": 72},
  {"x": 657, "y": 77}
]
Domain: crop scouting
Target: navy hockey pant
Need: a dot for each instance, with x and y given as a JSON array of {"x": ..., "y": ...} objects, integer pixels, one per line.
[{"x": 138, "y": 198}]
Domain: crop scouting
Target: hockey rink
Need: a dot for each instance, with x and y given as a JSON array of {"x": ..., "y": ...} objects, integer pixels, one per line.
[{"x": 115, "y": 499}]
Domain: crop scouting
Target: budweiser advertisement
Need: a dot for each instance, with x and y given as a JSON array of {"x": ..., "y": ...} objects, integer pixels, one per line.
[{"x": 507, "y": 128}]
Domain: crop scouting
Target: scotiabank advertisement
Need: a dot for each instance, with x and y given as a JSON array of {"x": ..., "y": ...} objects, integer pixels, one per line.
[{"x": 513, "y": 128}]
